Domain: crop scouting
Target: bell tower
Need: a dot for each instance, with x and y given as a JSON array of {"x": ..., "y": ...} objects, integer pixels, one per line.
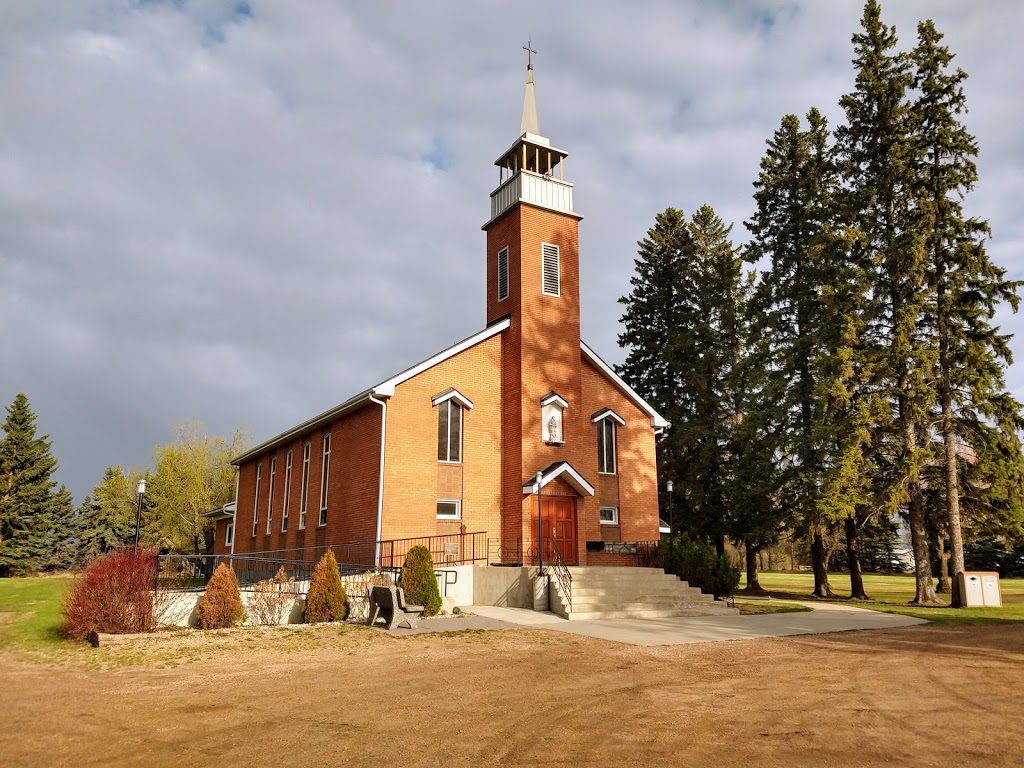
[{"x": 533, "y": 279}]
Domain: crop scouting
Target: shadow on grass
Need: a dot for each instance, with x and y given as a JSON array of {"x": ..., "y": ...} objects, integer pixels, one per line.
[{"x": 938, "y": 614}]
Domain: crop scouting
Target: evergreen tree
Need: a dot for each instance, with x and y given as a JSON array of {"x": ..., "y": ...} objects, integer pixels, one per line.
[
  {"x": 793, "y": 226},
  {"x": 967, "y": 286},
  {"x": 64, "y": 543},
  {"x": 106, "y": 520},
  {"x": 27, "y": 497},
  {"x": 877, "y": 154},
  {"x": 682, "y": 331}
]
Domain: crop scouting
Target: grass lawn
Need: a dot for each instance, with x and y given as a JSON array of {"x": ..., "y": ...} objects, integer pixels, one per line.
[
  {"x": 30, "y": 612},
  {"x": 893, "y": 593}
]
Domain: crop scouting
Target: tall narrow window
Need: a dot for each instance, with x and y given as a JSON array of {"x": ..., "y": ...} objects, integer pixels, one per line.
[
  {"x": 503, "y": 274},
  {"x": 287, "y": 490},
  {"x": 256, "y": 498},
  {"x": 606, "y": 447},
  {"x": 270, "y": 492},
  {"x": 229, "y": 535},
  {"x": 550, "y": 282},
  {"x": 449, "y": 432},
  {"x": 304, "y": 494},
  {"x": 325, "y": 470}
]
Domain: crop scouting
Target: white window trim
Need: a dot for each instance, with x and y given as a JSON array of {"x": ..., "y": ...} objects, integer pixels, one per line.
[
  {"x": 452, "y": 394},
  {"x": 287, "y": 490},
  {"x": 558, "y": 269},
  {"x": 503, "y": 251},
  {"x": 458, "y": 509},
  {"x": 615, "y": 516},
  {"x": 325, "y": 479},
  {"x": 270, "y": 495},
  {"x": 256, "y": 499},
  {"x": 229, "y": 534},
  {"x": 462, "y": 427},
  {"x": 614, "y": 450},
  {"x": 304, "y": 496}
]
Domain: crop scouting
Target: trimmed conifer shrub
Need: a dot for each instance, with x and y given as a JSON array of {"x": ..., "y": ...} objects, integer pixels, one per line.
[
  {"x": 327, "y": 599},
  {"x": 419, "y": 582},
  {"x": 221, "y": 606},
  {"x": 114, "y": 594}
]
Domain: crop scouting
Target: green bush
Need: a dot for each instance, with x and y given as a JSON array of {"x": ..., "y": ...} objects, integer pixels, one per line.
[
  {"x": 419, "y": 582},
  {"x": 327, "y": 599},
  {"x": 221, "y": 605},
  {"x": 697, "y": 563}
]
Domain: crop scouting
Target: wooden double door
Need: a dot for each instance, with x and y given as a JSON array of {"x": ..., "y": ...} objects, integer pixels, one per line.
[{"x": 558, "y": 526}]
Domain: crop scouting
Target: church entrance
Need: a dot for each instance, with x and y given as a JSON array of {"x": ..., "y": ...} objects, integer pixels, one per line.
[{"x": 559, "y": 528}]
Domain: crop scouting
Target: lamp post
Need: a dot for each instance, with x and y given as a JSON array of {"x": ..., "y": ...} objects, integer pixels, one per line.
[
  {"x": 671, "y": 525},
  {"x": 540, "y": 527},
  {"x": 138, "y": 511}
]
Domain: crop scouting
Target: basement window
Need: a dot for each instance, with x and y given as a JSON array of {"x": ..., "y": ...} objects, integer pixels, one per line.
[
  {"x": 449, "y": 509},
  {"x": 609, "y": 515}
]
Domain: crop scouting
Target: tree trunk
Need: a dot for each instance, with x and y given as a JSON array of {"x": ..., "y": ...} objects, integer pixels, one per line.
[
  {"x": 853, "y": 557},
  {"x": 819, "y": 561},
  {"x": 753, "y": 585},
  {"x": 943, "y": 557},
  {"x": 925, "y": 592}
]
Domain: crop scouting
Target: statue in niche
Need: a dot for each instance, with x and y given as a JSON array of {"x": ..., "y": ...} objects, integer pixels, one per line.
[{"x": 553, "y": 431}]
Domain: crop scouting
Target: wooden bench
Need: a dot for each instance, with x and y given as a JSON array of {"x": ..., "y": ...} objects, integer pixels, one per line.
[{"x": 388, "y": 604}]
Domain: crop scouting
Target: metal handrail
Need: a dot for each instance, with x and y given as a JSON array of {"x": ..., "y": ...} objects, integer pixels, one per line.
[{"x": 561, "y": 571}]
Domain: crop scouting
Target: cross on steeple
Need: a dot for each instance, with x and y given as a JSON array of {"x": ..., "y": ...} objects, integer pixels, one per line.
[{"x": 529, "y": 53}]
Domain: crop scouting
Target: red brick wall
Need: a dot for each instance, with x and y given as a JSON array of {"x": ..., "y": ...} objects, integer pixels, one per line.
[
  {"x": 351, "y": 490},
  {"x": 414, "y": 479}
]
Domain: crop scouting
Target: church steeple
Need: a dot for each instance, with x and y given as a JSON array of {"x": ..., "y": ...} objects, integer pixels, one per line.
[{"x": 529, "y": 123}]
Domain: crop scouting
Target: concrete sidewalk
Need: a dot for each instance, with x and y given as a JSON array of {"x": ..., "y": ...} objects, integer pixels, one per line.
[{"x": 823, "y": 618}]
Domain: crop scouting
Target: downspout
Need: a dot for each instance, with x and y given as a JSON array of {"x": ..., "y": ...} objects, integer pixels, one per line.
[
  {"x": 234, "y": 513},
  {"x": 380, "y": 488}
]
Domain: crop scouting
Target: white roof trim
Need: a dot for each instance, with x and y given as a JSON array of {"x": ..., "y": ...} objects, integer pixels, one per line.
[
  {"x": 452, "y": 394},
  {"x": 225, "y": 512},
  {"x": 387, "y": 388},
  {"x": 657, "y": 420},
  {"x": 554, "y": 397},
  {"x": 572, "y": 477},
  {"x": 663, "y": 527},
  {"x": 384, "y": 389},
  {"x": 608, "y": 413}
]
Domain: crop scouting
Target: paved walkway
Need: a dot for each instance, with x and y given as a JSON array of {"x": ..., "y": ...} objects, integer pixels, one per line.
[{"x": 825, "y": 617}]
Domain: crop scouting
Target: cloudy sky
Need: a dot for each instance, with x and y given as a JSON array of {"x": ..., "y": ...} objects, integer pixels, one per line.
[{"x": 245, "y": 212}]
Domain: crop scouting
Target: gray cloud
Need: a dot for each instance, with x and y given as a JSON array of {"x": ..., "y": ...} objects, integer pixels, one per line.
[{"x": 246, "y": 212}]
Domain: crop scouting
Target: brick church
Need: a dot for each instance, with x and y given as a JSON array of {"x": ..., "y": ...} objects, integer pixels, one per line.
[{"x": 460, "y": 442}]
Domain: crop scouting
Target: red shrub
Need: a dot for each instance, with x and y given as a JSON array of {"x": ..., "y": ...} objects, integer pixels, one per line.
[{"x": 113, "y": 594}]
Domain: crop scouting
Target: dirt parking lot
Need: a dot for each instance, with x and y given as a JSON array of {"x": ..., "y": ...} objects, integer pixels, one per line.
[{"x": 326, "y": 695}]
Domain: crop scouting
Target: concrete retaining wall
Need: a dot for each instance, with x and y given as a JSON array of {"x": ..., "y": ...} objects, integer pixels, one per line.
[{"x": 506, "y": 587}]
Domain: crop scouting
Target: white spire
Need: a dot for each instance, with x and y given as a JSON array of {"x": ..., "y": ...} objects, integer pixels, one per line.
[{"x": 530, "y": 124}]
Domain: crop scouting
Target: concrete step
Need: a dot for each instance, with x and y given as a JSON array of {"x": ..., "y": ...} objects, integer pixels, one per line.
[
  {"x": 629, "y": 604},
  {"x": 657, "y": 593},
  {"x": 655, "y": 613}
]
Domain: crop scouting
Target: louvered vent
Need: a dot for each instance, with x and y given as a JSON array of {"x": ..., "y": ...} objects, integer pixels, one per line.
[
  {"x": 550, "y": 280},
  {"x": 503, "y": 274}
]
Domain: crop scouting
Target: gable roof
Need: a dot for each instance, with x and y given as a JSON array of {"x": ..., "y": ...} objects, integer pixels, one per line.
[
  {"x": 657, "y": 420},
  {"x": 385, "y": 389},
  {"x": 558, "y": 469}
]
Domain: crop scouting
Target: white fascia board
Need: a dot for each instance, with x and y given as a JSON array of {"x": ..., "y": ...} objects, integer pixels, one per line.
[
  {"x": 574, "y": 478},
  {"x": 452, "y": 394},
  {"x": 554, "y": 397},
  {"x": 384, "y": 389},
  {"x": 657, "y": 420},
  {"x": 608, "y": 413},
  {"x": 387, "y": 388}
]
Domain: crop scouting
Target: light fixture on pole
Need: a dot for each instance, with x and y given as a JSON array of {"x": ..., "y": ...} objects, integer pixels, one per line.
[
  {"x": 138, "y": 511},
  {"x": 540, "y": 527}
]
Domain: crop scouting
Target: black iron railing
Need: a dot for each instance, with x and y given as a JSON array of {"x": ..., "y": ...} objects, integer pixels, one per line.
[{"x": 561, "y": 573}]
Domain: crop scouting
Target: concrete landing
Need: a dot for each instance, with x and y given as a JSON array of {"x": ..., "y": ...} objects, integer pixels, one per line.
[{"x": 823, "y": 618}]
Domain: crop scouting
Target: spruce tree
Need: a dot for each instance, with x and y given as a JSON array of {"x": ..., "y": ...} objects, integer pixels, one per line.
[
  {"x": 878, "y": 166},
  {"x": 793, "y": 226},
  {"x": 63, "y": 553},
  {"x": 968, "y": 288},
  {"x": 27, "y": 495},
  {"x": 107, "y": 519},
  {"x": 681, "y": 331}
]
